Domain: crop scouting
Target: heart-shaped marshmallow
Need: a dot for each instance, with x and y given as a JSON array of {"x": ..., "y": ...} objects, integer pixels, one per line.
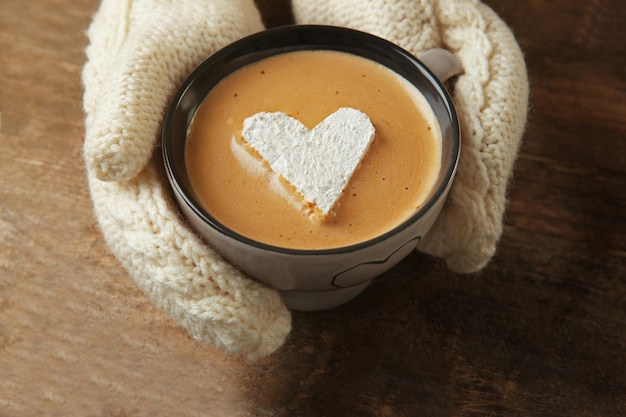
[{"x": 319, "y": 162}]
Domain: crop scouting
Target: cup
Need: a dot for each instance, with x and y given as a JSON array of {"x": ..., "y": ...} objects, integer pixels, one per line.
[{"x": 311, "y": 280}]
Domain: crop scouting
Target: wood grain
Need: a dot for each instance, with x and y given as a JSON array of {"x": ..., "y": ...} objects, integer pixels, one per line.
[{"x": 540, "y": 332}]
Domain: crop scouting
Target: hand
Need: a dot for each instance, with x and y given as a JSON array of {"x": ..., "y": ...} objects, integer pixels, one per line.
[
  {"x": 491, "y": 99},
  {"x": 139, "y": 53}
]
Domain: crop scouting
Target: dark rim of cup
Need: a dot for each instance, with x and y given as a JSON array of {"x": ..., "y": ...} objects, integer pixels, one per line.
[{"x": 293, "y": 38}]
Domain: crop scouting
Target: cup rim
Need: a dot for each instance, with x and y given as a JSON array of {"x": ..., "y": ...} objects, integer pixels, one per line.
[{"x": 304, "y": 37}]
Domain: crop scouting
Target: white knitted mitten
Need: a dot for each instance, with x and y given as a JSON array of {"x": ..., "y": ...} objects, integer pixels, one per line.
[
  {"x": 139, "y": 52},
  {"x": 491, "y": 98}
]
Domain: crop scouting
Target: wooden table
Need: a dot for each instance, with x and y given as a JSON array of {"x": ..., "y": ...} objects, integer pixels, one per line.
[{"x": 540, "y": 332}]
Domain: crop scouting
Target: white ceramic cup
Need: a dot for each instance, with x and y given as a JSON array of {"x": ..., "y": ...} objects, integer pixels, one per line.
[{"x": 314, "y": 279}]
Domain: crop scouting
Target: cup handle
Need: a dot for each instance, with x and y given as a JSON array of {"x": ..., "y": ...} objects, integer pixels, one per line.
[{"x": 443, "y": 63}]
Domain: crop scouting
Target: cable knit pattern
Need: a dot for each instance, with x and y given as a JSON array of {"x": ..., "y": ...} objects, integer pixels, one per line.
[
  {"x": 139, "y": 53},
  {"x": 183, "y": 276},
  {"x": 141, "y": 50},
  {"x": 491, "y": 98}
]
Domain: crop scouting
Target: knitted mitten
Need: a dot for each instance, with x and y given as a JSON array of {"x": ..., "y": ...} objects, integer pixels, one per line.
[
  {"x": 139, "y": 52},
  {"x": 491, "y": 98}
]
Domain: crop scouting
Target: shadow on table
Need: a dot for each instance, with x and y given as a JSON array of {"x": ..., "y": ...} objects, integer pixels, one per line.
[{"x": 445, "y": 344}]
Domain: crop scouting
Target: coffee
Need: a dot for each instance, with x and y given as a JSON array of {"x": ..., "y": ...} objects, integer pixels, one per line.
[{"x": 393, "y": 180}]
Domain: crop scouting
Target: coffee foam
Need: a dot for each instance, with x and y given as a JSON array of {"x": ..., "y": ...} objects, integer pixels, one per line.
[{"x": 237, "y": 188}]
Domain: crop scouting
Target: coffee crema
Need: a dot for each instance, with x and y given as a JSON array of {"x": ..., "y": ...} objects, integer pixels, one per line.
[{"x": 239, "y": 190}]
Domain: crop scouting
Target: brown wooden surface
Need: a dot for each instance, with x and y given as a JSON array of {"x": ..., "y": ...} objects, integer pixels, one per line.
[{"x": 540, "y": 332}]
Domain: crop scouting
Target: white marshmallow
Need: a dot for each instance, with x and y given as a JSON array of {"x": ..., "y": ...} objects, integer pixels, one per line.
[{"x": 319, "y": 162}]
